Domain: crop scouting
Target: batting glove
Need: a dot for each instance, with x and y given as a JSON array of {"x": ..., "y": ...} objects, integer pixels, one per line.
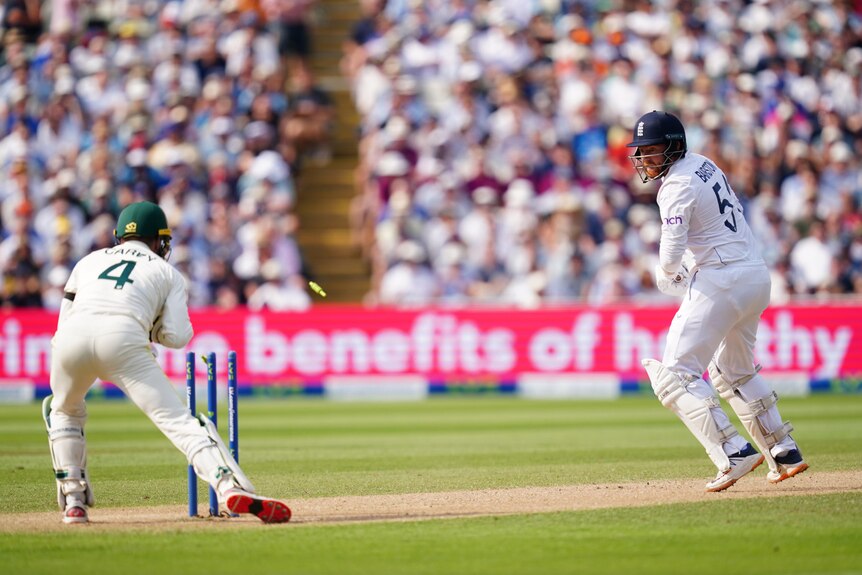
[{"x": 675, "y": 285}]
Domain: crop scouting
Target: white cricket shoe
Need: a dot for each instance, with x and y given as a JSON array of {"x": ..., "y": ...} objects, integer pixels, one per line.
[
  {"x": 789, "y": 464},
  {"x": 76, "y": 512},
  {"x": 741, "y": 463},
  {"x": 267, "y": 510}
]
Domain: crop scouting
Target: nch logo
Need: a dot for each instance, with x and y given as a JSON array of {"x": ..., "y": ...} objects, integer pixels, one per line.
[{"x": 673, "y": 220}]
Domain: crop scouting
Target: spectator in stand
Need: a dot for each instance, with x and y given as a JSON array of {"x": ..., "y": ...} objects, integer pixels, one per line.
[
  {"x": 277, "y": 291},
  {"x": 409, "y": 281},
  {"x": 309, "y": 118},
  {"x": 61, "y": 215},
  {"x": 293, "y": 20},
  {"x": 21, "y": 285},
  {"x": 23, "y": 17},
  {"x": 478, "y": 229},
  {"x": 812, "y": 261},
  {"x": 21, "y": 234},
  {"x": 21, "y": 193}
]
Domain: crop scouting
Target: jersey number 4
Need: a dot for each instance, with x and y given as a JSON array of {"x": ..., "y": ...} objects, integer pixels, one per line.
[
  {"x": 123, "y": 275},
  {"x": 723, "y": 204}
]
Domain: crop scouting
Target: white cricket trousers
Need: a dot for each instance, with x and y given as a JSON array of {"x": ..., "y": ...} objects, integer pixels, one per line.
[
  {"x": 718, "y": 317},
  {"x": 718, "y": 320},
  {"x": 116, "y": 350}
]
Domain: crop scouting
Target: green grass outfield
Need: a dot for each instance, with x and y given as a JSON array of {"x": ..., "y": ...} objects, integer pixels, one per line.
[{"x": 313, "y": 448}]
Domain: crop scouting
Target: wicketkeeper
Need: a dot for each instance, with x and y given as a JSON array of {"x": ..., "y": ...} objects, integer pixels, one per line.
[
  {"x": 117, "y": 301},
  {"x": 725, "y": 287}
]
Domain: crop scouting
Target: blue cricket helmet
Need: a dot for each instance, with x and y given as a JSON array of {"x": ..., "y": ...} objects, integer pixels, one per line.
[{"x": 657, "y": 128}]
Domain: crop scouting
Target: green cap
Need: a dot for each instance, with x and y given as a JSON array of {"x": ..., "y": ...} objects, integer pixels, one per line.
[{"x": 144, "y": 220}]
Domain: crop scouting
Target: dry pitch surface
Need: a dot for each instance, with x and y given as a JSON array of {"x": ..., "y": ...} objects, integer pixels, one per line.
[{"x": 419, "y": 506}]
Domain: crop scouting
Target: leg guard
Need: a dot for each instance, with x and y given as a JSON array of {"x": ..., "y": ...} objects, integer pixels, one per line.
[
  {"x": 214, "y": 464},
  {"x": 759, "y": 416},
  {"x": 69, "y": 457},
  {"x": 695, "y": 413}
]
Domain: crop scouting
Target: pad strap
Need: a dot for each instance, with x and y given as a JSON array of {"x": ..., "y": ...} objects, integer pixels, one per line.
[
  {"x": 727, "y": 433},
  {"x": 778, "y": 434},
  {"x": 722, "y": 384},
  {"x": 762, "y": 405}
]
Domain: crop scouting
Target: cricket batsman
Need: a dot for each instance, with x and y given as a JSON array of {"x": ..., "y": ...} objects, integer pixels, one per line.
[{"x": 724, "y": 285}]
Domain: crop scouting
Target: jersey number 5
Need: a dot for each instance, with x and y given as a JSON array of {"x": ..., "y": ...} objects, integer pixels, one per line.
[
  {"x": 723, "y": 204},
  {"x": 123, "y": 277}
]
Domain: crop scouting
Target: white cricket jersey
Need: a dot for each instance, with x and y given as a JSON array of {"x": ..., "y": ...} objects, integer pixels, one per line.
[
  {"x": 130, "y": 280},
  {"x": 699, "y": 211}
]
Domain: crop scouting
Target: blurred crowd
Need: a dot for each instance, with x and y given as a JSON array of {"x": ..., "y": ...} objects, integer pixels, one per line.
[
  {"x": 493, "y": 165},
  {"x": 492, "y": 159},
  {"x": 208, "y": 107}
]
